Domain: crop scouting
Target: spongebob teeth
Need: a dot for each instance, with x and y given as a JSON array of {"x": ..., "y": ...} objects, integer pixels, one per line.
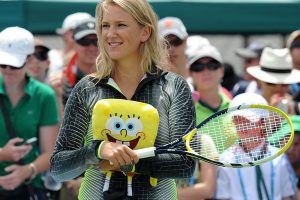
[
  {"x": 119, "y": 142},
  {"x": 127, "y": 143}
]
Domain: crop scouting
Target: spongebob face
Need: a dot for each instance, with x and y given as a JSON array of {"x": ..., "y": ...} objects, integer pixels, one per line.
[{"x": 132, "y": 123}]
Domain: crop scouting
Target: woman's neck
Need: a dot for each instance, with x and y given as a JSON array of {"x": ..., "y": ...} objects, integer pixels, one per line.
[
  {"x": 128, "y": 76},
  {"x": 15, "y": 92},
  {"x": 212, "y": 98}
]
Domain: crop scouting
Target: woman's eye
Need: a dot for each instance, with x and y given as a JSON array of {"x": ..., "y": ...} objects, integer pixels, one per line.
[{"x": 105, "y": 26}]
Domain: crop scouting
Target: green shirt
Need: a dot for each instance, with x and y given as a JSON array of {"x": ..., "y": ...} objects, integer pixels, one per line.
[
  {"x": 37, "y": 108},
  {"x": 203, "y": 111}
]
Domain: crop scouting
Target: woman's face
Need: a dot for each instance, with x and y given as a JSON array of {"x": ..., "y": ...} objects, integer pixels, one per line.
[
  {"x": 269, "y": 89},
  {"x": 208, "y": 78},
  {"x": 121, "y": 34},
  {"x": 11, "y": 75},
  {"x": 38, "y": 64}
]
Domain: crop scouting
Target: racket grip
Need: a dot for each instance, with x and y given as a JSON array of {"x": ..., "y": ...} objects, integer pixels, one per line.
[{"x": 146, "y": 152}]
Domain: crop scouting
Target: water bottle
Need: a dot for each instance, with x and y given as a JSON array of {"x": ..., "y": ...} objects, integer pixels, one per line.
[
  {"x": 50, "y": 183},
  {"x": 283, "y": 105}
]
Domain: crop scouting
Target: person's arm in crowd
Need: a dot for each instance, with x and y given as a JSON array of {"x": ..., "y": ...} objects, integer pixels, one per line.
[
  {"x": 21, "y": 173},
  {"x": 203, "y": 190},
  {"x": 12, "y": 152}
]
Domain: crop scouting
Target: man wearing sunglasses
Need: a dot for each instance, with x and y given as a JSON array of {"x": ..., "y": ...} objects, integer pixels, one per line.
[
  {"x": 84, "y": 60},
  {"x": 174, "y": 31}
]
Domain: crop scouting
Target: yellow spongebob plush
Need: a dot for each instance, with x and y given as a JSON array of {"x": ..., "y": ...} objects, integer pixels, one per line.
[{"x": 132, "y": 123}]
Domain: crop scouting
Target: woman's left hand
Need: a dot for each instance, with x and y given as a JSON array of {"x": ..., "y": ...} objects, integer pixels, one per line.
[{"x": 17, "y": 176}]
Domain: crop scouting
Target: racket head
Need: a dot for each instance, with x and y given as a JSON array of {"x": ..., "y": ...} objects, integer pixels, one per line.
[{"x": 241, "y": 136}]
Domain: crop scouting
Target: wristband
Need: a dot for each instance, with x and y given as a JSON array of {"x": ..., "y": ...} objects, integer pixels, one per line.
[
  {"x": 99, "y": 149},
  {"x": 33, "y": 173}
]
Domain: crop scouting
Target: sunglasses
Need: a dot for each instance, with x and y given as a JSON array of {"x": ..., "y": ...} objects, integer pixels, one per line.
[
  {"x": 199, "y": 67},
  {"x": 274, "y": 84},
  {"x": 41, "y": 55},
  {"x": 87, "y": 42},
  {"x": 175, "y": 42},
  {"x": 11, "y": 67}
]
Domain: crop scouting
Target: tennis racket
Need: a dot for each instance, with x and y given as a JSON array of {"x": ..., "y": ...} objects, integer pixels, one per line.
[{"x": 241, "y": 136}]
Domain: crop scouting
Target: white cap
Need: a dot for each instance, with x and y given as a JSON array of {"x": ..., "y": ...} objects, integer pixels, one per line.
[
  {"x": 206, "y": 51},
  {"x": 72, "y": 20},
  {"x": 15, "y": 45},
  {"x": 172, "y": 25},
  {"x": 86, "y": 28},
  {"x": 247, "y": 99},
  {"x": 194, "y": 43}
]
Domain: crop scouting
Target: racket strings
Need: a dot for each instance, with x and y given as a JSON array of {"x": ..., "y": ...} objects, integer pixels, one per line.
[{"x": 242, "y": 136}]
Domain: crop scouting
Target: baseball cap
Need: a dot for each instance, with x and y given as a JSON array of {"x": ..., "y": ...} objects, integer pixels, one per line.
[
  {"x": 195, "y": 42},
  {"x": 72, "y": 20},
  {"x": 206, "y": 51},
  {"x": 85, "y": 28},
  {"x": 247, "y": 99},
  {"x": 15, "y": 45},
  {"x": 254, "y": 50},
  {"x": 172, "y": 25}
]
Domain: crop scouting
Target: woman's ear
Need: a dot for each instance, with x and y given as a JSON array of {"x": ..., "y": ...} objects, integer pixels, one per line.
[{"x": 146, "y": 32}]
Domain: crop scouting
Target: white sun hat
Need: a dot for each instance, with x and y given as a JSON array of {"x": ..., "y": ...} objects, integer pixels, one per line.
[{"x": 275, "y": 66}]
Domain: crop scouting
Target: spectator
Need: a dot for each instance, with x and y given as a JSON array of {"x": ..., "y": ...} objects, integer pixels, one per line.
[
  {"x": 37, "y": 67},
  {"x": 230, "y": 78},
  {"x": 38, "y": 63},
  {"x": 60, "y": 58},
  {"x": 206, "y": 68},
  {"x": 270, "y": 180},
  {"x": 293, "y": 43},
  {"x": 275, "y": 74},
  {"x": 23, "y": 98},
  {"x": 251, "y": 56},
  {"x": 293, "y": 152},
  {"x": 83, "y": 61},
  {"x": 174, "y": 31},
  {"x": 127, "y": 68}
]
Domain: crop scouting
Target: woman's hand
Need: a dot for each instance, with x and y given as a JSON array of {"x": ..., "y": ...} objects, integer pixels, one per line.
[
  {"x": 12, "y": 152},
  {"x": 117, "y": 155},
  {"x": 18, "y": 174}
]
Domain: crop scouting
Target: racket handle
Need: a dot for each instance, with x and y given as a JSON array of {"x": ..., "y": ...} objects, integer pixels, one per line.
[{"x": 146, "y": 152}]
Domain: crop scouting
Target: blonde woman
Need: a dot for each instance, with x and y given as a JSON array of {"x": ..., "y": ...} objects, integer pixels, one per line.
[{"x": 129, "y": 67}]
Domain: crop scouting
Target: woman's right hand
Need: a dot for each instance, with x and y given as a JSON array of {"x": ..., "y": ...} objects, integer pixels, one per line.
[
  {"x": 118, "y": 154},
  {"x": 12, "y": 152}
]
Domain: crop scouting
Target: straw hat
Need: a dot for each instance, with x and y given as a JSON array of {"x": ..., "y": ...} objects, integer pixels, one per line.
[{"x": 275, "y": 66}]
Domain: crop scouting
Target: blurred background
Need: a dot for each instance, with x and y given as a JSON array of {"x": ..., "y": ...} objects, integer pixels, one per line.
[{"x": 228, "y": 24}]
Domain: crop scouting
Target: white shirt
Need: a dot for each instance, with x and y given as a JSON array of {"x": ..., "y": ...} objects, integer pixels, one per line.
[{"x": 239, "y": 184}]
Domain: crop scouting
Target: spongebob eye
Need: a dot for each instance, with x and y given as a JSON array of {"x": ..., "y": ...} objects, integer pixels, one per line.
[
  {"x": 133, "y": 126},
  {"x": 115, "y": 125}
]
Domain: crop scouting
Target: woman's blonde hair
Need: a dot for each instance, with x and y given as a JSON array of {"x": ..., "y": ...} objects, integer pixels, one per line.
[{"x": 152, "y": 51}]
